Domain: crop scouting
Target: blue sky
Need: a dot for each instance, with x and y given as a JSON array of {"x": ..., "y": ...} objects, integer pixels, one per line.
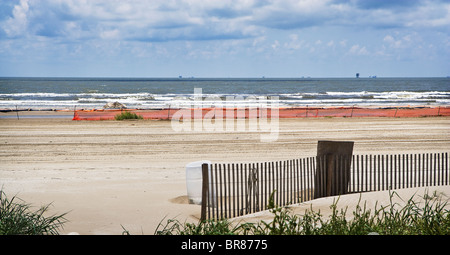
[{"x": 242, "y": 38}]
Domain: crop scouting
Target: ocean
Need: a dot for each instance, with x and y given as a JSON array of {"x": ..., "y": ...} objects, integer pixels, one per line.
[{"x": 157, "y": 93}]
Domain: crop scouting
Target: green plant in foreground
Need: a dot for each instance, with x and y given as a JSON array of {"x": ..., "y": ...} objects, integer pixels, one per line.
[
  {"x": 18, "y": 219},
  {"x": 207, "y": 227},
  {"x": 429, "y": 217},
  {"x": 127, "y": 116}
]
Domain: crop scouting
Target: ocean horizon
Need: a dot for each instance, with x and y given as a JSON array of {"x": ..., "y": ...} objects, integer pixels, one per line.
[{"x": 68, "y": 93}]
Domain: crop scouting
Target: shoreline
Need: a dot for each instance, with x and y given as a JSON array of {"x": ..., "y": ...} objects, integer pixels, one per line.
[
  {"x": 370, "y": 106},
  {"x": 36, "y": 114},
  {"x": 281, "y": 112}
]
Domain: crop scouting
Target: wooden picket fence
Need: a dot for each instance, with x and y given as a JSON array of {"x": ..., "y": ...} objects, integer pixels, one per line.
[{"x": 232, "y": 190}]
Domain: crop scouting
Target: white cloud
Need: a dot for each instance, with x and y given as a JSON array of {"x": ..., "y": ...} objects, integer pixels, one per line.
[
  {"x": 275, "y": 45},
  {"x": 163, "y": 20},
  {"x": 17, "y": 24},
  {"x": 258, "y": 40},
  {"x": 358, "y": 50},
  {"x": 294, "y": 42},
  {"x": 435, "y": 14},
  {"x": 404, "y": 41},
  {"x": 388, "y": 38},
  {"x": 110, "y": 34}
]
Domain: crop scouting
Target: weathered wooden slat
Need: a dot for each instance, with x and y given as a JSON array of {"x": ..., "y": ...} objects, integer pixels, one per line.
[
  {"x": 435, "y": 171},
  {"x": 234, "y": 190},
  {"x": 205, "y": 188},
  {"x": 445, "y": 168}
]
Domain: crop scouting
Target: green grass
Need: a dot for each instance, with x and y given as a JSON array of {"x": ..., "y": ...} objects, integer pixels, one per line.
[
  {"x": 429, "y": 217},
  {"x": 16, "y": 218},
  {"x": 127, "y": 116}
]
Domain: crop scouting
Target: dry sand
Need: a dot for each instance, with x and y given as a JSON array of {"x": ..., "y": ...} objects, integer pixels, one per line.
[
  {"x": 369, "y": 201},
  {"x": 109, "y": 174}
]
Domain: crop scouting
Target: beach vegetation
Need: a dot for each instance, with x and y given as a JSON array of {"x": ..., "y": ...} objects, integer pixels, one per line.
[
  {"x": 429, "y": 217},
  {"x": 206, "y": 227},
  {"x": 17, "y": 218},
  {"x": 127, "y": 116}
]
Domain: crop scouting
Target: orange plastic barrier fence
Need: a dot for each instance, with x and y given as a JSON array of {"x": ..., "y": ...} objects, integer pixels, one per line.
[{"x": 282, "y": 113}]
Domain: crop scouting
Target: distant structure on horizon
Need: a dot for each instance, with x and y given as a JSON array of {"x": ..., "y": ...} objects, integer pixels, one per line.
[{"x": 357, "y": 75}]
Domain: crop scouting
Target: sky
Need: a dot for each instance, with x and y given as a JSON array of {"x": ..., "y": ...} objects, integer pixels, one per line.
[{"x": 225, "y": 38}]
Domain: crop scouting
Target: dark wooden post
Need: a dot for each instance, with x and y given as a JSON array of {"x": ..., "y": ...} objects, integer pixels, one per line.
[
  {"x": 205, "y": 189},
  {"x": 332, "y": 168}
]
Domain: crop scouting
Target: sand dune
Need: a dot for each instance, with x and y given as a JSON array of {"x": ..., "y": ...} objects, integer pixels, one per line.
[{"x": 371, "y": 201}]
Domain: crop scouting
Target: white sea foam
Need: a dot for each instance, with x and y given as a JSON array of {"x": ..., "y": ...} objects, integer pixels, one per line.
[{"x": 150, "y": 100}]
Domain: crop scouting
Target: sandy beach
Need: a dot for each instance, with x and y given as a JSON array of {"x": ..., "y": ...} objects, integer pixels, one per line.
[{"x": 109, "y": 174}]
